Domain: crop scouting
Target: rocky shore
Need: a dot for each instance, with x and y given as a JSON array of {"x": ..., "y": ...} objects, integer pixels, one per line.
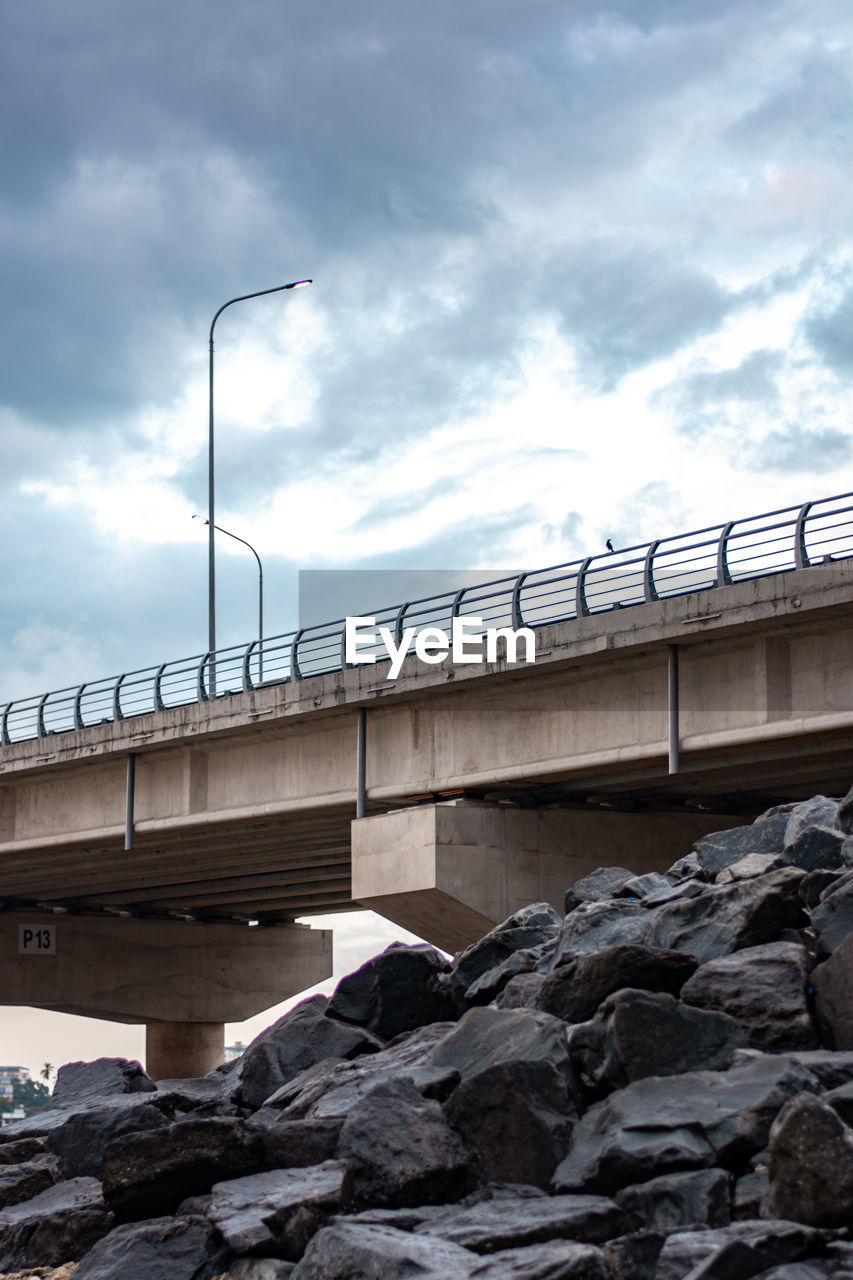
[{"x": 655, "y": 1085}]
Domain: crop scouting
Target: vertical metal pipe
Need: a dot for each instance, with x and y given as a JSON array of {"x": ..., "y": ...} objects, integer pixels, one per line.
[
  {"x": 211, "y": 544},
  {"x": 131, "y": 787},
  {"x": 672, "y": 682},
  {"x": 361, "y": 763}
]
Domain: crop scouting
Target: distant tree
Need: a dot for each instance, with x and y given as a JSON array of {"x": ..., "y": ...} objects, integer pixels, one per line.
[
  {"x": 30, "y": 1093},
  {"x": 46, "y": 1071}
]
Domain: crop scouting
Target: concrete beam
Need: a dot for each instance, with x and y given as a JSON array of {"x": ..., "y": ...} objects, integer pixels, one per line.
[
  {"x": 156, "y": 970},
  {"x": 450, "y": 872}
]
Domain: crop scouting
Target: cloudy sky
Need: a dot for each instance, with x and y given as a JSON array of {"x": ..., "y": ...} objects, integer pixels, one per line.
[{"x": 580, "y": 270}]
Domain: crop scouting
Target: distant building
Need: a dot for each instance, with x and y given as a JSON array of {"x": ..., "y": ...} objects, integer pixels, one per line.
[
  {"x": 232, "y": 1051},
  {"x": 6, "y": 1117},
  {"x": 9, "y": 1077}
]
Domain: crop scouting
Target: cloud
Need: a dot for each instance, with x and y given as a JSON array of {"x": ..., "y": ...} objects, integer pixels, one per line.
[
  {"x": 829, "y": 334},
  {"x": 797, "y": 448}
]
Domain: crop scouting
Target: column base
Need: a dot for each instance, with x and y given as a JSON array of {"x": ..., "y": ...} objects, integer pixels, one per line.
[{"x": 182, "y": 1050}]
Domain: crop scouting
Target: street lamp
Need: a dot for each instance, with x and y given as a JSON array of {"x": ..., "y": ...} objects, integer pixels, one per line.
[
  {"x": 211, "y": 553},
  {"x": 228, "y": 534}
]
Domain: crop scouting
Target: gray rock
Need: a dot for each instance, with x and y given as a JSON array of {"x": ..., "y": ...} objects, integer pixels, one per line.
[
  {"x": 259, "y": 1269},
  {"x": 841, "y": 1100},
  {"x": 832, "y": 918},
  {"x": 679, "y": 1200},
  {"x": 512, "y": 1106},
  {"x": 557, "y": 1260},
  {"x": 78, "y": 1081},
  {"x": 82, "y": 1140},
  {"x": 765, "y": 835},
  {"x": 754, "y": 864},
  {"x": 811, "y": 1164},
  {"x": 278, "y": 1212},
  {"x": 650, "y": 885},
  {"x": 642, "y": 1033},
  {"x": 521, "y": 992},
  {"x": 202, "y": 1094},
  {"x": 23, "y": 1181},
  {"x": 598, "y": 886},
  {"x": 764, "y": 988},
  {"x": 177, "y": 1248},
  {"x": 813, "y": 884},
  {"x": 59, "y": 1225},
  {"x": 574, "y": 991},
  {"x": 729, "y": 1252},
  {"x": 727, "y": 918},
  {"x": 149, "y": 1174},
  {"x": 51, "y": 1120},
  {"x": 633, "y": 1257},
  {"x": 348, "y": 1249},
  {"x": 812, "y": 838},
  {"x": 402, "y": 1150},
  {"x": 509, "y": 1222},
  {"x": 668, "y": 1124},
  {"x": 394, "y": 992},
  {"x": 16, "y": 1152},
  {"x": 593, "y": 926},
  {"x": 292, "y": 1144},
  {"x": 750, "y": 1192},
  {"x": 527, "y": 928},
  {"x": 299, "y": 1040},
  {"x": 490, "y": 984}
]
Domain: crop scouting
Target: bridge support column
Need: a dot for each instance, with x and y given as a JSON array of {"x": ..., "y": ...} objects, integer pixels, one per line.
[
  {"x": 449, "y": 872},
  {"x": 176, "y": 1050}
]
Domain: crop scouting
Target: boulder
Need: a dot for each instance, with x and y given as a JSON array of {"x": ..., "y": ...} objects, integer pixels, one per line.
[
  {"x": 78, "y": 1081},
  {"x": 764, "y": 988},
  {"x": 82, "y": 1140},
  {"x": 183, "y": 1248},
  {"x": 259, "y": 1269},
  {"x": 650, "y": 885},
  {"x": 295, "y": 1144},
  {"x": 19, "y": 1150},
  {"x": 50, "y": 1120},
  {"x": 278, "y": 1212},
  {"x": 23, "y": 1181},
  {"x": 402, "y": 1149},
  {"x": 557, "y": 1260},
  {"x": 765, "y": 835},
  {"x": 633, "y": 1257},
  {"x": 811, "y": 1164},
  {"x": 678, "y": 1200},
  {"x": 598, "y": 886},
  {"x": 59, "y": 1225},
  {"x": 348, "y": 1249},
  {"x": 528, "y": 960},
  {"x": 396, "y": 991},
  {"x": 574, "y": 991},
  {"x": 149, "y": 1174},
  {"x": 592, "y": 926},
  {"x": 812, "y": 839},
  {"x": 832, "y": 918},
  {"x": 510, "y": 1221},
  {"x": 522, "y": 991},
  {"x": 642, "y": 1033},
  {"x": 727, "y": 918},
  {"x": 527, "y": 928},
  {"x": 754, "y": 864},
  {"x": 736, "y": 1252}
]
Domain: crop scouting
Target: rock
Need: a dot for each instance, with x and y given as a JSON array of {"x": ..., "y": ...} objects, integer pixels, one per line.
[
  {"x": 202, "y": 1095},
  {"x": 57, "y": 1226},
  {"x": 259, "y": 1269},
  {"x": 82, "y": 1140},
  {"x": 672, "y": 1123},
  {"x": 510, "y": 1222},
  {"x": 512, "y": 1106},
  {"x": 812, "y": 840},
  {"x": 641, "y": 1033},
  {"x": 525, "y": 929},
  {"x": 301, "y": 1039},
  {"x": 841, "y": 1101},
  {"x": 832, "y": 983},
  {"x": 764, "y": 988},
  {"x": 557, "y": 1260},
  {"x": 16, "y": 1152},
  {"x": 765, "y": 835},
  {"x": 295, "y": 1144},
  {"x": 633, "y": 1257},
  {"x": 396, "y": 991},
  {"x": 592, "y": 926},
  {"x": 278, "y": 1212},
  {"x": 574, "y": 991},
  {"x": 754, "y": 864},
  {"x": 679, "y": 1200},
  {"x": 78, "y": 1081},
  {"x": 149, "y": 1174},
  {"x": 749, "y": 1193},
  {"x": 177, "y": 1248},
  {"x": 832, "y": 918},
  {"x": 23, "y": 1181},
  {"x": 521, "y": 992},
  {"x": 490, "y": 984},
  {"x": 402, "y": 1150},
  {"x": 811, "y": 1164},
  {"x": 738, "y": 1251},
  {"x": 640, "y": 887},
  {"x": 599, "y": 885},
  {"x": 348, "y": 1249},
  {"x": 727, "y": 918},
  {"x": 813, "y": 884},
  {"x": 52, "y": 1120}
]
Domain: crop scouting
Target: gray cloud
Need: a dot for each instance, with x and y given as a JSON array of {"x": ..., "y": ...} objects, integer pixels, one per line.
[
  {"x": 830, "y": 335},
  {"x": 701, "y": 400},
  {"x": 793, "y": 447}
]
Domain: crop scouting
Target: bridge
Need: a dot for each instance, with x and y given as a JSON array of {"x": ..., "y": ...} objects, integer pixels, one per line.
[{"x": 161, "y": 832}]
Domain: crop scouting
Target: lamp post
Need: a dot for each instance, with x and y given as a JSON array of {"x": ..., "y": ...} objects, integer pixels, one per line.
[
  {"x": 211, "y": 552},
  {"x": 228, "y": 534}
]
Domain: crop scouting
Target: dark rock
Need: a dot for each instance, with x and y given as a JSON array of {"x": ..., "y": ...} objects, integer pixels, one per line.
[
  {"x": 279, "y": 1211},
  {"x": 641, "y": 887},
  {"x": 599, "y": 885},
  {"x": 177, "y": 1248},
  {"x": 51, "y": 1120},
  {"x": 826, "y": 1069},
  {"x": 557, "y": 1260},
  {"x": 402, "y": 1149},
  {"x": 23, "y": 1181},
  {"x": 690, "y": 888},
  {"x": 811, "y": 1164},
  {"x": 78, "y": 1081},
  {"x": 57, "y": 1226},
  {"x": 21, "y": 1150},
  {"x": 510, "y": 1222},
  {"x": 841, "y": 1101},
  {"x": 259, "y": 1269},
  {"x": 722, "y": 848},
  {"x": 302, "y": 1038},
  {"x": 349, "y": 1249},
  {"x": 396, "y": 991},
  {"x": 592, "y": 926},
  {"x": 689, "y": 868},
  {"x": 832, "y": 918},
  {"x": 633, "y": 1257},
  {"x": 490, "y": 984},
  {"x": 522, "y": 991},
  {"x": 202, "y": 1094},
  {"x": 728, "y": 1253},
  {"x": 574, "y": 991},
  {"x": 149, "y": 1174},
  {"x": 763, "y": 988},
  {"x": 82, "y": 1140},
  {"x": 512, "y": 1106},
  {"x": 813, "y": 884},
  {"x": 668, "y": 1124},
  {"x": 754, "y": 864},
  {"x": 525, "y": 929},
  {"x": 844, "y": 814},
  {"x": 294, "y": 1144},
  {"x": 727, "y": 918},
  {"x": 642, "y": 1033},
  {"x": 749, "y": 1194},
  {"x": 678, "y": 1200},
  {"x": 812, "y": 840},
  {"x": 832, "y": 982}
]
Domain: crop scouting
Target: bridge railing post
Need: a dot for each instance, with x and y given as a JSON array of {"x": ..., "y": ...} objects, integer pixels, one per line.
[{"x": 724, "y": 577}]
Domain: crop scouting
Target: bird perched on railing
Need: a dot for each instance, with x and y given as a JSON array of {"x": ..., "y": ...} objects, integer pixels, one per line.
[{"x": 609, "y": 545}]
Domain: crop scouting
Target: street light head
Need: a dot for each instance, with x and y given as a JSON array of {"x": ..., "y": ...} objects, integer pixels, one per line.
[
  {"x": 298, "y": 284},
  {"x": 196, "y": 516}
]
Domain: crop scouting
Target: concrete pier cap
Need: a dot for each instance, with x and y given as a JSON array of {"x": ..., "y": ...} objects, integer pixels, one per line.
[
  {"x": 185, "y": 980},
  {"x": 451, "y": 871}
]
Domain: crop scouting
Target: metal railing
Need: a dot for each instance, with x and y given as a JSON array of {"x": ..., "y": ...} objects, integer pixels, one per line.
[{"x": 791, "y": 538}]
